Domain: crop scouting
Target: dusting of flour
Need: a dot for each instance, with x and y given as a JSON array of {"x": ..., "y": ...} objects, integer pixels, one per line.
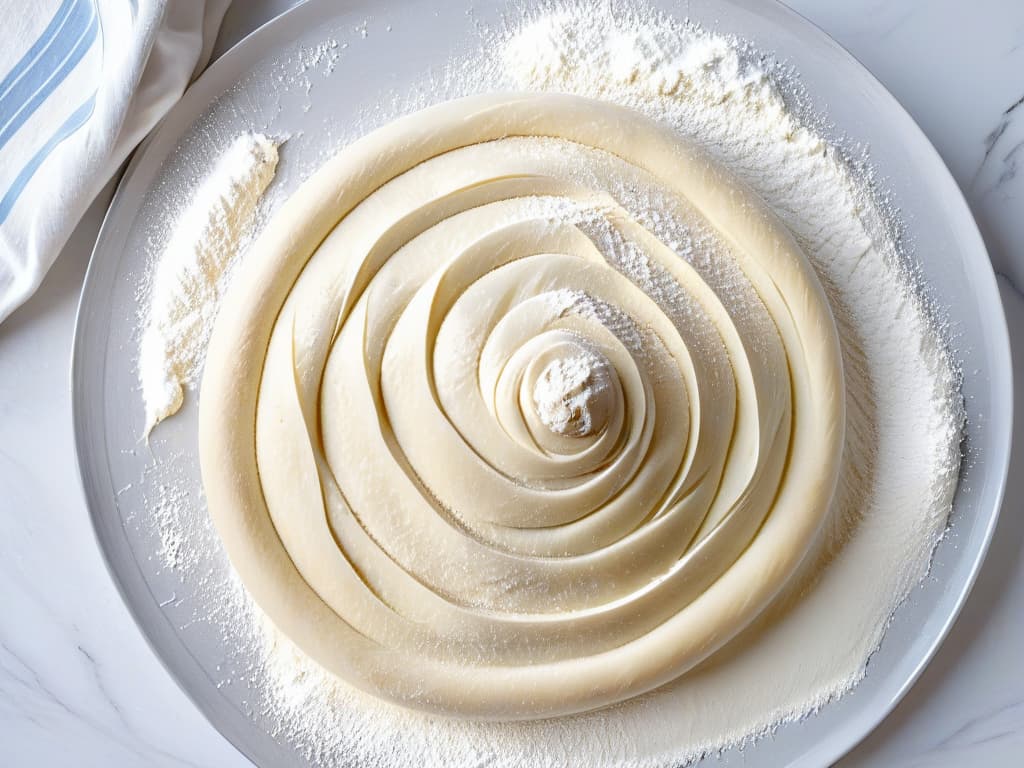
[
  {"x": 904, "y": 412},
  {"x": 187, "y": 281},
  {"x": 566, "y": 392}
]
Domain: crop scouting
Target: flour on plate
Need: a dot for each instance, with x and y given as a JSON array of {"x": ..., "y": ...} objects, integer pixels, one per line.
[{"x": 187, "y": 281}]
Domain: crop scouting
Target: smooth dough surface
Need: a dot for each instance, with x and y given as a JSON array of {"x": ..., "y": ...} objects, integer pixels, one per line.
[{"x": 380, "y": 433}]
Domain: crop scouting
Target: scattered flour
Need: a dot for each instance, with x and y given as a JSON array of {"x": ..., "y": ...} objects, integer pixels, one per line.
[
  {"x": 324, "y": 55},
  {"x": 187, "y": 282}
]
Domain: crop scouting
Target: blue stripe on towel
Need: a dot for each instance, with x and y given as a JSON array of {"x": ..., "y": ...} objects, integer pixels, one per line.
[
  {"x": 72, "y": 124},
  {"x": 37, "y": 47},
  {"x": 61, "y": 56}
]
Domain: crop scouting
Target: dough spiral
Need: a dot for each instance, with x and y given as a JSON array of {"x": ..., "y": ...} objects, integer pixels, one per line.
[{"x": 481, "y": 443}]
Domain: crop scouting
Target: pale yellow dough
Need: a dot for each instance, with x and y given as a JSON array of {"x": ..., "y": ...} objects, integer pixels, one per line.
[{"x": 371, "y": 447}]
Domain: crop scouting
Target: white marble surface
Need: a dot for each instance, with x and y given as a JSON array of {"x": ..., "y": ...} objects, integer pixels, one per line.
[{"x": 79, "y": 686}]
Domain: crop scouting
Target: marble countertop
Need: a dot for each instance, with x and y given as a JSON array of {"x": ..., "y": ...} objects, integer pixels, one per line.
[{"x": 78, "y": 684}]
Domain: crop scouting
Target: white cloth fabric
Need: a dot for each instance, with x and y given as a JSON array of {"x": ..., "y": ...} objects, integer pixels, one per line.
[{"x": 81, "y": 83}]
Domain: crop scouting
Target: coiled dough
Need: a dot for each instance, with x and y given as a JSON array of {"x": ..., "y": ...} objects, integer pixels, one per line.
[{"x": 481, "y": 443}]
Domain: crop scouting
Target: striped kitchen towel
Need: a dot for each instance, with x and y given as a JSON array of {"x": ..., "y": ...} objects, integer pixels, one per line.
[{"x": 83, "y": 81}]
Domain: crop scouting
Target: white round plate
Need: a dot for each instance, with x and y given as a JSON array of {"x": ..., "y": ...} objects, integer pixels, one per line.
[{"x": 384, "y": 46}]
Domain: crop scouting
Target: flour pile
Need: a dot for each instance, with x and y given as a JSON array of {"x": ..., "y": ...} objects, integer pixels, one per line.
[
  {"x": 187, "y": 284},
  {"x": 569, "y": 395}
]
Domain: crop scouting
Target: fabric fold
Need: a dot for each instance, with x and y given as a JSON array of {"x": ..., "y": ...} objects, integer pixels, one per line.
[{"x": 83, "y": 82}]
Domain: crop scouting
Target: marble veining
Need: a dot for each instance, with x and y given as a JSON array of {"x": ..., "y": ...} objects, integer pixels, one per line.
[
  {"x": 1003, "y": 149},
  {"x": 987, "y": 727},
  {"x": 78, "y": 686}
]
